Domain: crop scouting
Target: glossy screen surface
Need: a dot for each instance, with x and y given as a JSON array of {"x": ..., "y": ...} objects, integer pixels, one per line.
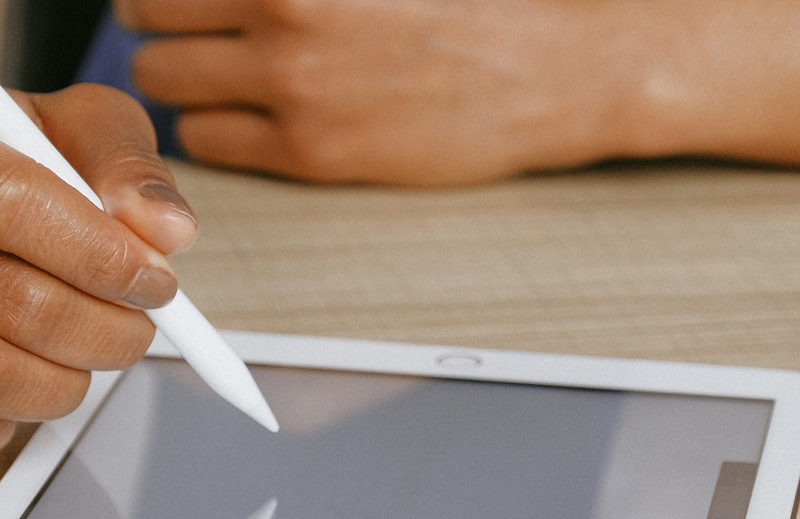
[{"x": 355, "y": 445}]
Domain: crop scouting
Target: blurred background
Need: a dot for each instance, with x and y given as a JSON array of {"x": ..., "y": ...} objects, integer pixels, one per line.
[{"x": 43, "y": 41}]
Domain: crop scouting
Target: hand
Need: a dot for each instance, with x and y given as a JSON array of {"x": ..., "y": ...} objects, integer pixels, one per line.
[
  {"x": 72, "y": 278},
  {"x": 408, "y": 92},
  {"x": 452, "y": 92}
]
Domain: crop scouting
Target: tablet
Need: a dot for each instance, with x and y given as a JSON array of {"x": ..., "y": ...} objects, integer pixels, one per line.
[{"x": 378, "y": 430}]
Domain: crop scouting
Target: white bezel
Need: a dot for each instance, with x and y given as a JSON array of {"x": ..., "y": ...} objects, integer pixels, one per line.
[{"x": 779, "y": 469}]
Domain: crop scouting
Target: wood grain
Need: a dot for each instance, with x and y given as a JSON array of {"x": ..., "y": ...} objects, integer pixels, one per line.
[{"x": 670, "y": 261}]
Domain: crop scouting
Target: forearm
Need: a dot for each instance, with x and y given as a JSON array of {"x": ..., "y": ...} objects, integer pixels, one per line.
[{"x": 721, "y": 81}]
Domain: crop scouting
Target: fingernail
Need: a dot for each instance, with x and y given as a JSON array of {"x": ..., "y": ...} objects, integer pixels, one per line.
[
  {"x": 164, "y": 194},
  {"x": 152, "y": 287}
]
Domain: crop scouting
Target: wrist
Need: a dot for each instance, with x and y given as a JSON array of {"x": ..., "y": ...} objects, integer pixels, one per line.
[{"x": 720, "y": 84}]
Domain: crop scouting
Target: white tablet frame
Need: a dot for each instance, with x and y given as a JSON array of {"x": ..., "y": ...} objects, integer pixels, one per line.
[{"x": 779, "y": 469}]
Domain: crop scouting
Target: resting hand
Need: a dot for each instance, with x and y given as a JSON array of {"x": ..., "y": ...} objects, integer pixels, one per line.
[
  {"x": 407, "y": 92},
  {"x": 449, "y": 92},
  {"x": 72, "y": 278}
]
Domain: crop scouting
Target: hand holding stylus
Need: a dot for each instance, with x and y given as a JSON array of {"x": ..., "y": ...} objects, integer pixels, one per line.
[
  {"x": 179, "y": 320},
  {"x": 72, "y": 278}
]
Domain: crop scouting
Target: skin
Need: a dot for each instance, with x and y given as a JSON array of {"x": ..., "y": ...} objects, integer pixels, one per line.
[
  {"x": 438, "y": 92},
  {"x": 418, "y": 92},
  {"x": 71, "y": 276}
]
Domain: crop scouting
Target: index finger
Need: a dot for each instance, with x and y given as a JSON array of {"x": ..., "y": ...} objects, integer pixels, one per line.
[
  {"x": 50, "y": 225},
  {"x": 107, "y": 137},
  {"x": 183, "y": 15}
]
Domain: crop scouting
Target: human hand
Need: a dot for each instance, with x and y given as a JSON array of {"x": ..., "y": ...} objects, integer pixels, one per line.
[
  {"x": 72, "y": 278},
  {"x": 411, "y": 92}
]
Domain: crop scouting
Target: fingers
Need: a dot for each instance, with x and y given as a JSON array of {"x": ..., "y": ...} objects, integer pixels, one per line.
[
  {"x": 251, "y": 140},
  {"x": 57, "y": 322},
  {"x": 234, "y": 138},
  {"x": 48, "y": 224},
  {"x": 182, "y": 15},
  {"x": 35, "y": 389},
  {"x": 121, "y": 164},
  {"x": 57, "y": 251},
  {"x": 201, "y": 71}
]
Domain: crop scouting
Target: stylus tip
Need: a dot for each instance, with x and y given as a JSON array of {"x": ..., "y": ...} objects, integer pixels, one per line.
[{"x": 264, "y": 415}]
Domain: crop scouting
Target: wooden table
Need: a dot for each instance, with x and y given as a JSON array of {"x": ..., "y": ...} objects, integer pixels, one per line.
[
  {"x": 672, "y": 260},
  {"x": 669, "y": 261}
]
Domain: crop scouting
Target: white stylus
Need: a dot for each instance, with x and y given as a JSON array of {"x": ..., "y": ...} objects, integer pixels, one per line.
[{"x": 180, "y": 321}]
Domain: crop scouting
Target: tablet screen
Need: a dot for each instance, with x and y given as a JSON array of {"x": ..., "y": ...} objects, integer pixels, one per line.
[{"x": 355, "y": 445}]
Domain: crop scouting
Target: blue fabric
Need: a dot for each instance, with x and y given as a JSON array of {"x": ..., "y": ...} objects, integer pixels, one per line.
[{"x": 108, "y": 62}]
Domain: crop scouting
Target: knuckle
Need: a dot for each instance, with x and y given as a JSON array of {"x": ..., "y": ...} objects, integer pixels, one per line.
[
  {"x": 80, "y": 333},
  {"x": 93, "y": 92},
  {"x": 107, "y": 99},
  {"x": 16, "y": 197},
  {"x": 24, "y": 296},
  {"x": 131, "y": 159},
  {"x": 108, "y": 262},
  {"x": 295, "y": 74},
  {"x": 317, "y": 154}
]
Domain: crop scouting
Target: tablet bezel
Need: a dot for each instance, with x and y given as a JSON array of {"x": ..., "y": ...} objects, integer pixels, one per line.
[{"x": 779, "y": 469}]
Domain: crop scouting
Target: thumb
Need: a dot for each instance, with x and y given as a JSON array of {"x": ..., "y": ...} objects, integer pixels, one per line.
[{"x": 123, "y": 166}]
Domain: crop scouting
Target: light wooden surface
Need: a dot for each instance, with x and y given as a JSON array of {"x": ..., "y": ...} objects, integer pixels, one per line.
[{"x": 670, "y": 260}]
